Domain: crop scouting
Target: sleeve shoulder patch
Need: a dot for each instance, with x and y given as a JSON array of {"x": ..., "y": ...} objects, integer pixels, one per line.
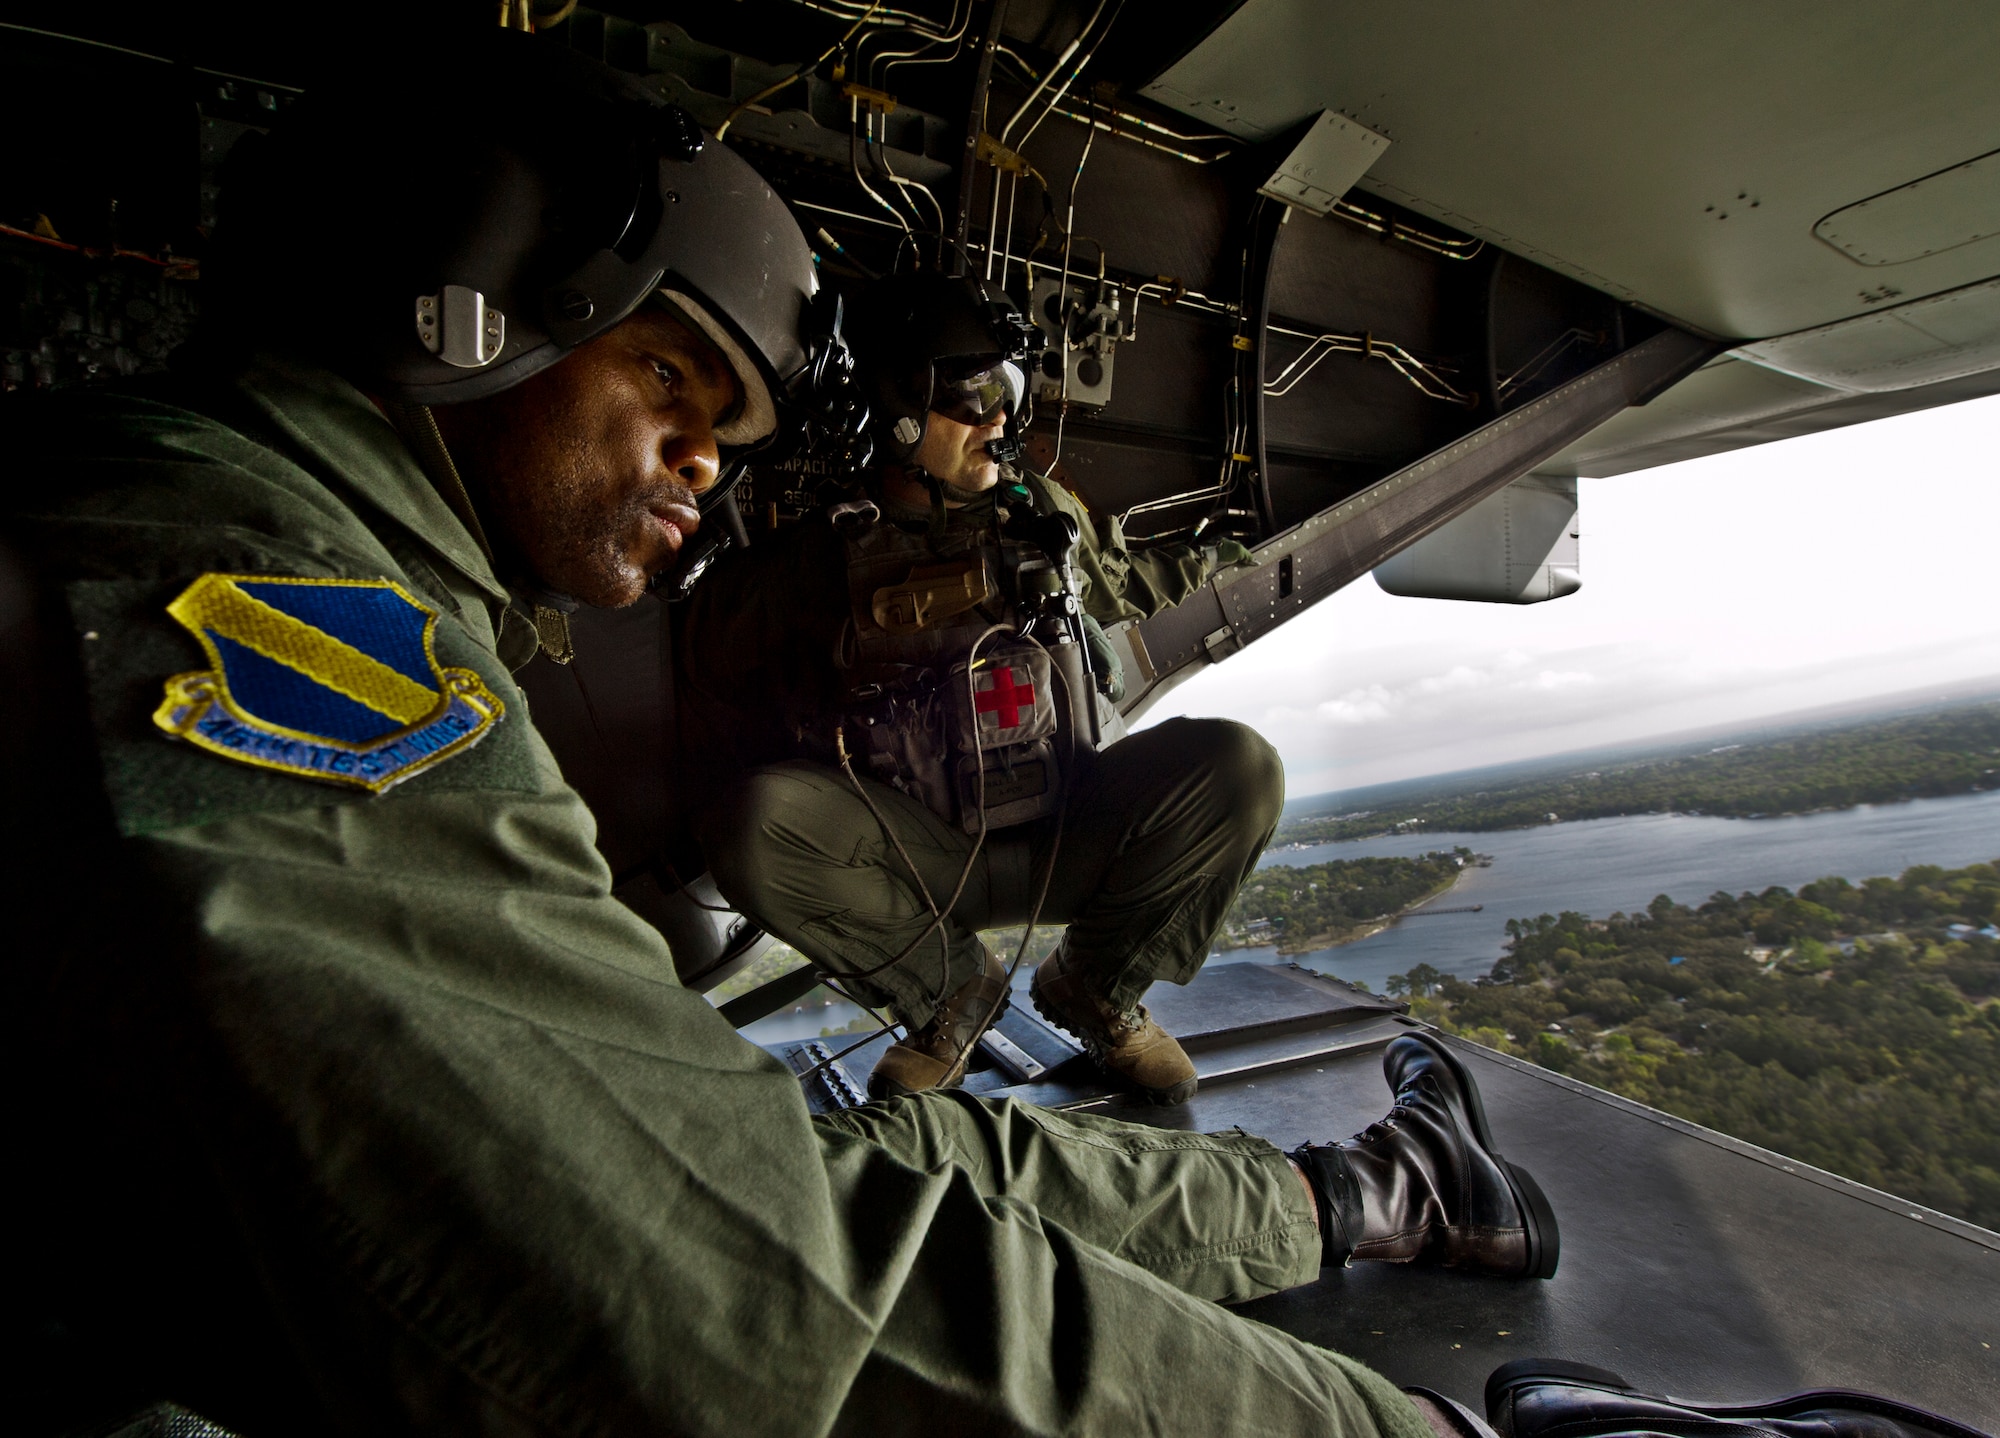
[{"x": 335, "y": 680}]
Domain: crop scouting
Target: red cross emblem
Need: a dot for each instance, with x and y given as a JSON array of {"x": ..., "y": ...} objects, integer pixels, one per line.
[{"x": 999, "y": 695}]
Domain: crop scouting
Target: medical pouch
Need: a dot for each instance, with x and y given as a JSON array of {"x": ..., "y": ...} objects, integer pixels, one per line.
[{"x": 1004, "y": 723}]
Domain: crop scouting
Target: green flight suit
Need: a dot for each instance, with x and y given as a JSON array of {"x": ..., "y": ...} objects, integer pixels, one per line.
[
  {"x": 477, "y": 1162},
  {"x": 1124, "y": 583},
  {"x": 1158, "y": 833}
]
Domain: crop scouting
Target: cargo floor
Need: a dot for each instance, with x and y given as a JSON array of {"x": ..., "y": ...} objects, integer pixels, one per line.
[{"x": 1691, "y": 1263}]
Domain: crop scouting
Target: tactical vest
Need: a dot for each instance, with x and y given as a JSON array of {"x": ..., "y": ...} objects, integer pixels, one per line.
[{"x": 966, "y": 684}]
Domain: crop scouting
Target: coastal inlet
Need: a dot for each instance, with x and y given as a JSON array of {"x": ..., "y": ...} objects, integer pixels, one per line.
[{"x": 1298, "y": 909}]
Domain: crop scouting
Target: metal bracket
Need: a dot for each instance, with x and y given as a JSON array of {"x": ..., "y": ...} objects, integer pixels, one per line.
[
  {"x": 456, "y": 325},
  {"x": 1020, "y": 1065}
]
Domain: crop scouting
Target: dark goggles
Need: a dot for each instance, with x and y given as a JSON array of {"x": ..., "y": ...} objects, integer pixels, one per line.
[{"x": 978, "y": 392}]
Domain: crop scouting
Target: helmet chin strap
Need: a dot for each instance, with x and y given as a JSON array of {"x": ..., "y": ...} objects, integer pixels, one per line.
[
  {"x": 943, "y": 494},
  {"x": 938, "y": 517}
]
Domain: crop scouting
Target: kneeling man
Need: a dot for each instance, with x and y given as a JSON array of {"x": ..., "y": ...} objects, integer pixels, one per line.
[{"x": 911, "y": 694}]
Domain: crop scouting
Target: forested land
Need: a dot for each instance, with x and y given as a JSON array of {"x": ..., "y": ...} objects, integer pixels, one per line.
[
  {"x": 1296, "y": 909},
  {"x": 1314, "y": 906},
  {"x": 1855, "y": 1028},
  {"x": 1914, "y": 757}
]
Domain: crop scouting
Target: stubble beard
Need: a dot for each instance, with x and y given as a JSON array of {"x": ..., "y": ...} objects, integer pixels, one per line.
[{"x": 577, "y": 531}]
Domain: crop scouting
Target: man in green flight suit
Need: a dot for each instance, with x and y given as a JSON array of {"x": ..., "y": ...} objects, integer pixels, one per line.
[
  {"x": 1139, "y": 848},
  {"x": 351, "y": 1102}
]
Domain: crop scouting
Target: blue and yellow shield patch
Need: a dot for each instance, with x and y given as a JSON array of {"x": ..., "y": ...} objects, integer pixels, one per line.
[{"x": 330, "y": 679}]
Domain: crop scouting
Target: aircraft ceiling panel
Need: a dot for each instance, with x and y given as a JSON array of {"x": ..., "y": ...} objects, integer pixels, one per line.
[
  {"x": 1941, "y": 337},
  {"x": 1676, "y": 156},
  {"x": 1733, "y": 403},
  {"x": 1940, "y": 212},
  {"x": 1723, "y": 394}
]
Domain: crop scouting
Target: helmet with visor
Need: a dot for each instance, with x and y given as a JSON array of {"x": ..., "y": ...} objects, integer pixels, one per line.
[{"x": 928, "y": 344}]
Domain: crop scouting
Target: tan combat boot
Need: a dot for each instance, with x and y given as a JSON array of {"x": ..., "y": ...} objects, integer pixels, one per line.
[
  {"x": 935, "y": 1055},
  {"x": 1128, "y": 1044}
]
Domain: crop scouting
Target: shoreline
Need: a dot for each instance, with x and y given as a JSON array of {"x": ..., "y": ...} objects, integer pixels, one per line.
[
  {"x": 1882, "y": 803},
  {"x": 1392, "y": 833},
  {"x": 1366, "y": 929}
]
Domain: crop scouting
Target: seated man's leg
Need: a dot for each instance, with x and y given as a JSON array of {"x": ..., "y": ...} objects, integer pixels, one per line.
[
  {"x": 798, "y": 850},
  {"x": 1225, "y": 1216},
  {"x": 1221, "y": 1216},
  {"x": 1155, "y": 843},
  {"x": 1004, "y": 1320}
]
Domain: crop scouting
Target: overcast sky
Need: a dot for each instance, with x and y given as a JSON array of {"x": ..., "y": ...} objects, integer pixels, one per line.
[{"x": 1840, "y": 566}]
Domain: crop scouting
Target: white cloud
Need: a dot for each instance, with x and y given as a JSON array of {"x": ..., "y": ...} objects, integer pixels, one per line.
[
  {"x": 1550, "y": 679},
  {"x": 1814, "y": 571},
  {"x": 1359, "y": 706}
]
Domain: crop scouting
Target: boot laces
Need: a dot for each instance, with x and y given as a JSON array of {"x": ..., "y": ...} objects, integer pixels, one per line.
[{"x": 1382, "y": 1127}]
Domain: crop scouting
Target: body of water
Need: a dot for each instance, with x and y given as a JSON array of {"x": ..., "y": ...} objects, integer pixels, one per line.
[
  {"x": 1597, "y": 867},
  {"x": 1601, "y": 866}
]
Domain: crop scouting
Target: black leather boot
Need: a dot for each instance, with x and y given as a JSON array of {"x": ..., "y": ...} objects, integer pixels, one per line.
[
  {"x": 1532, "y": 1397},
  {"x": 1424, "y": 1185}
]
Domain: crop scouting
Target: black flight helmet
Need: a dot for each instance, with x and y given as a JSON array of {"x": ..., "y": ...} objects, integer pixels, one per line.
[
  {"x": 929, "y": 343},
  {"x": 440, "y": 220}
]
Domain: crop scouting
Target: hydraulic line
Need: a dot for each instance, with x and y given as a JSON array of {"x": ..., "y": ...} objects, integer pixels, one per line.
[
  {"x": 975, "y": 126},
  {"x": 854, "y": 163},
  {"x": 1061, "y": 60},
  {"x": 1081, "y": 65},
  {"x": 1397, "y": 230},
  {"x": 993, "y": 228},
  {"x": 798, "y": 74},
  {"x": 1007, "y": 255},
  {"x": 1123, "y": 124},
  {"x": 1213, "y": 491},
  {"x": 903, "y": 19},
  {"x": 880, "y": 66},
  {"x": 1062, "y": 289},
  {"x": 878, "y": 153},
  {"x": 858, "y": 219},
  {"x": 1111, "y": 129},
  {"x": 1424, "y": 377},
  {"x": 1561, "y": 345},
  {"x": 1126, "y": 120}
]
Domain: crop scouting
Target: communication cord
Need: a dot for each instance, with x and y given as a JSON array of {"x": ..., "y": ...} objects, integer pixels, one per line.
[
  {"x": 1049, "y": 866},
  {"x": 1041, "y": 891},
  {"x": 964, "y": 874},
  {"x": 979, "y": 843}
]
